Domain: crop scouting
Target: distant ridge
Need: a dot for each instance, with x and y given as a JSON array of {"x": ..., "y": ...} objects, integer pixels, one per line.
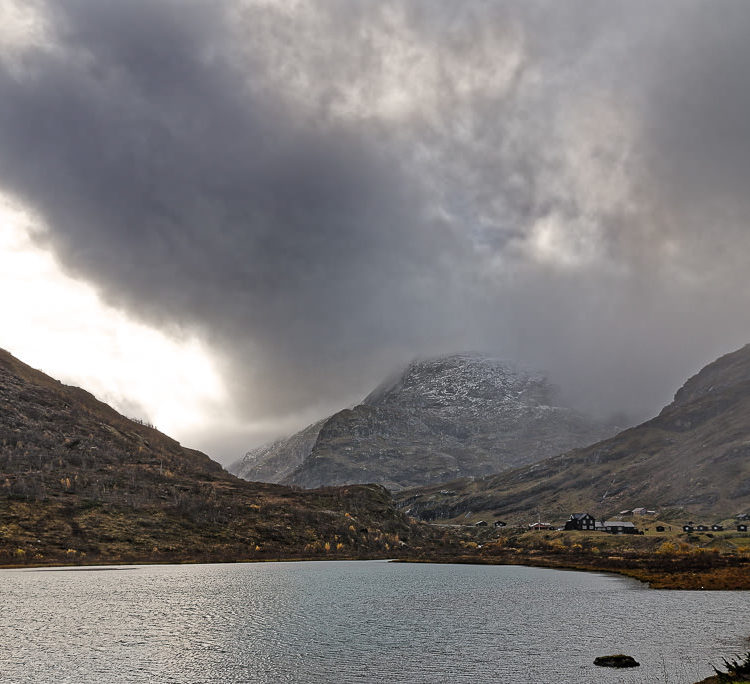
[{"x": 437, "y": 419}]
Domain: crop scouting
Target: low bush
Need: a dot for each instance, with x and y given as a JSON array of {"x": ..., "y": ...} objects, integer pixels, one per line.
[{"x": 736, "y": 670}]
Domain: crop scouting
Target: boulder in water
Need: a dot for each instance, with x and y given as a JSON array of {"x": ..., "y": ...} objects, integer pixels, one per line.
[{"x": 618, "y": 660}]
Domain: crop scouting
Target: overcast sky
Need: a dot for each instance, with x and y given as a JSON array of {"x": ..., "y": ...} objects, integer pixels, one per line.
[{"x": 233, "y": 216}]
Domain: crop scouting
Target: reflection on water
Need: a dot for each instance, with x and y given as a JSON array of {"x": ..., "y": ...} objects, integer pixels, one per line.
[{"x": 355, "y": 622}]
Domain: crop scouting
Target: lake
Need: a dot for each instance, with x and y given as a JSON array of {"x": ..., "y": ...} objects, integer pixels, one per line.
[{"x": 358, "y": 621}]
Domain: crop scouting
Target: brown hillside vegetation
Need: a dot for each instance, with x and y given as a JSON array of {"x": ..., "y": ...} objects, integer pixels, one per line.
[
  {"x": 691, "y": 460},
  {"x": 81, "y": 483},
  {"x": 681, "y": 563}
]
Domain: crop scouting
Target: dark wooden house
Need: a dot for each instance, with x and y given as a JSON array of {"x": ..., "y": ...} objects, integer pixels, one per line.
[
  {"x": 742, "y": 527},
  {"x": 717, "y": 528},
  {"x": 581, "y": 521},
  {"x": 687, "y": 528},
  {"x": 660, "y": 528}
]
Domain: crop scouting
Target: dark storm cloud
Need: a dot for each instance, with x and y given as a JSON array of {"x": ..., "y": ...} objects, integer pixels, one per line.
[
  {"x": 326, "y": 189},
  {"x": 188, "y": 197}
]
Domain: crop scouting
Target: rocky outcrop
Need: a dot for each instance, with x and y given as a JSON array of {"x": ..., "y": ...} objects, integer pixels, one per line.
[
  {"x": 464, "y": 415},
  {"x": 727, "y": 371}
]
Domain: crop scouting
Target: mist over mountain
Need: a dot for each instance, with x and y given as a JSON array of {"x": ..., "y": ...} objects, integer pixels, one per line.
[
  {"x": 437, "y": 419},
  {"x": 691, "y": 459}
]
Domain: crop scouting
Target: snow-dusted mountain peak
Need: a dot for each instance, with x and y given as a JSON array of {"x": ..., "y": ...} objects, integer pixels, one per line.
[
  {"x": 462, "y": 380},
  {"x": 440, "y": 418}
]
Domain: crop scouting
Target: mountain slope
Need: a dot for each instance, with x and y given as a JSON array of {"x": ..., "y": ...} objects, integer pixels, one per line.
[
  {"x": 275, "y": 462},
  {"x": 693, "y": 458},
  {"x": 439, "y": 419},
  {"x": 79, "y": 481}
]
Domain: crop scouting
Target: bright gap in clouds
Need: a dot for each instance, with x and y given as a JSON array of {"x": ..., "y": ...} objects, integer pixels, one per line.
[{"x": 60, "y": 326}]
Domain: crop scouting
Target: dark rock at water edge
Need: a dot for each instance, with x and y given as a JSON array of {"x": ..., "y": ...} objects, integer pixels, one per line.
[{"x": 618, "y": 660}]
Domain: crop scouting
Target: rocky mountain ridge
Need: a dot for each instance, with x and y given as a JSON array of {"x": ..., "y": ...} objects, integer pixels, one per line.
[{"x": 463, "y": 415}]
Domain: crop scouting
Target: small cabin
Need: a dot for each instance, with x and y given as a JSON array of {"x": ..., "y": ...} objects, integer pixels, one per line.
[
  {"x": 660, "y": 528},
  {"x": 742, "y": 527},
  {"x": 540, "y": 526},
  {"x": 687, "y": 528},
  {"x": 717, "y": 528},
  {"x": 500, "y": 523},
  {"x": 619, "y": 527},
  {"x": 702, "y": 528},
  {"x": 580, "y": 521},
  {"x": 481, "y": 523}
]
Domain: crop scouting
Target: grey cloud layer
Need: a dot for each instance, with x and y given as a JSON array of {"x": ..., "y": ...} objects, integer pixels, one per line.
[{"x": 326, "y": 189}]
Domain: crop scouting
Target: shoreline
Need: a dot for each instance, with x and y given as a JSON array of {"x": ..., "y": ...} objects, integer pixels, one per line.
[{"x": 729, "y": 577}]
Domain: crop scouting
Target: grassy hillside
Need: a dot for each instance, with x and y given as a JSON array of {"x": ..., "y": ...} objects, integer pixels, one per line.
[{"x": 80, "y": 482}]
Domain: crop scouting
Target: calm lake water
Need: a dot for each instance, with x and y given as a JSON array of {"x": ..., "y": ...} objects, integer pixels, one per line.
[{"x": 367, "y": 621}]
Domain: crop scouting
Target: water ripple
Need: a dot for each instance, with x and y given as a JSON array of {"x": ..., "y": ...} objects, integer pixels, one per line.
[{"x": 318, "y": 622}]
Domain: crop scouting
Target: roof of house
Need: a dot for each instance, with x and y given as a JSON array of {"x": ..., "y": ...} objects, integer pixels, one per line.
[
  {"x": 580, "y": 516},
  {"x": 617, "y": 523}
]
